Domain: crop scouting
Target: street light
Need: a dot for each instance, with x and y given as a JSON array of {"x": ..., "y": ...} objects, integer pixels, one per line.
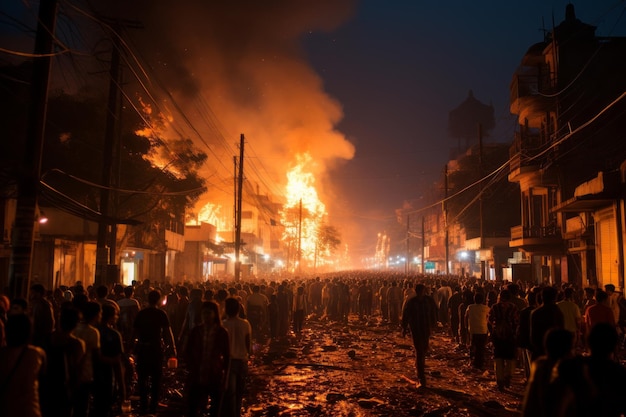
[{"x": 42, "y": 218}]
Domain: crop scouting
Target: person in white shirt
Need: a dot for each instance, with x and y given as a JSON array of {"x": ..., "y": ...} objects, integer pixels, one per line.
[
  {"x": 614, "y": 298},
  {"x": 86, "y": 331},
  {"x": 572, "y": 318},
  {"x": 240, "y": 338},
  {"x": 476, "y": 317}
]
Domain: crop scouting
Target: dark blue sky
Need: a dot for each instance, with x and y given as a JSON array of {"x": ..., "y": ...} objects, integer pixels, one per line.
[{"x": 399, "y": 67}]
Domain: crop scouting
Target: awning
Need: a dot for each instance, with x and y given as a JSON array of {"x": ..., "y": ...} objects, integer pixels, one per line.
[
  {"x": 592, "y": 195},
  {"x": 584, "y": 203},
  {"x": 215, "y": 259}
]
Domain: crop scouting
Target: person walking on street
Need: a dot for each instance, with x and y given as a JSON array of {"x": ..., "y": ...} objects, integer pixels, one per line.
[
  {"x": 240, "y": 340},
  {"x": 453, "y": 311},
  {"x": 41, "y": 315},
  {"x": 571, "y": 313},
  {"x": 468, "y": 299},
  {"x": 87, "y": 331},
  {"x": 540, "y": 391},
  {"x": 523, "y": 334},
  {"x": 257, "y": 308},
  {"x": 299, "y": 310},
  {"x": 476, "y": 318},
  {"x": 108, "y": 371},
  {"x": 129, "y": 307},
  {"x": 542, "y": 319},
  {"x": 394, "y": 300},
  {"x": 21, "y": 367},
  {"x": 207, "y": 356},
  {"x": 151, "y": 329},
  {"x": 614, "y": 298},
  {"x": 64, "y": 358},
  {"x": 504, "y": 319},
  {"x": 419, "y": 315}
]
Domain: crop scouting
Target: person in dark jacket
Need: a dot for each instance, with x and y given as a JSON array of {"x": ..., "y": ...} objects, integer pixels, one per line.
[
  {"x": 504, "y": 319},
  {"x": 151, "y": 329},
  {"x": 420, "y": 316},
  {"x": 544, "y": 318},
  {"x": 589, "y": 386},
  {"x": 523, "y": 333},
  {"x": 207, "y": 357}
]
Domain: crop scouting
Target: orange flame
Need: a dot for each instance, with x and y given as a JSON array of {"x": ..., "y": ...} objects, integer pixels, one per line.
[
  {"x": 155, "y": 129},
  {"x": 302, "y": 214}
]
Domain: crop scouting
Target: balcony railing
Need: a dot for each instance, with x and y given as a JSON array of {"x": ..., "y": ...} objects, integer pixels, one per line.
[
  {"x": 537, "y": 232},
  {"x": 530, "y": 84},
  {"x": 524, "y": 145}
]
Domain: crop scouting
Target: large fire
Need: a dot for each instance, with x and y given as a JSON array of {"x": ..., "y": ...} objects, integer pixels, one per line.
[
  {"x": 156, "y": 129},
  {"x": 302, "y": 214}
]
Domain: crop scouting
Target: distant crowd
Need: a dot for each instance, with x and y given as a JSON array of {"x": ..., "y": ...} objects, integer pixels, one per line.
[{"x": 83, "y": 351}]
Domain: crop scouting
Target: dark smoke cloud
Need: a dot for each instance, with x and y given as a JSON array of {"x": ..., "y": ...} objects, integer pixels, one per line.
[{"x": 238, "y": 67}]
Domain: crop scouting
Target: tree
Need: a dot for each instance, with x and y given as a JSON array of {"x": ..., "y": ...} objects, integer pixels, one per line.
[
  {"x": 154, "y": 180},
  {"x": 328, "y": 238}
]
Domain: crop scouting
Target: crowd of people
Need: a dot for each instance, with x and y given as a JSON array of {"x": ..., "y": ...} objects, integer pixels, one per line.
[
  {"x": 82, "y": 351},
  {"x": 567, "y": 339}
]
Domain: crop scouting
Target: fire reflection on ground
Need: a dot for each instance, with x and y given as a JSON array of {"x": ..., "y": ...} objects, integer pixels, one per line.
[
  {"x": 359, "y": 369},
  {"x": 365, "y": 368}
]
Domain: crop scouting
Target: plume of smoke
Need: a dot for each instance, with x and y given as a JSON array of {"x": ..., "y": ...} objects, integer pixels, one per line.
[{"x": 237, "y": 67}]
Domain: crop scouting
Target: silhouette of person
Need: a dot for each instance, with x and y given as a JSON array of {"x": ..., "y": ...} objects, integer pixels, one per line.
[{"x": 420, "y": 316}]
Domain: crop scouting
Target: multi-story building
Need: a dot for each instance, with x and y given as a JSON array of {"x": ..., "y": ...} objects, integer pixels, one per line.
[{"x": 569, "y": 98}]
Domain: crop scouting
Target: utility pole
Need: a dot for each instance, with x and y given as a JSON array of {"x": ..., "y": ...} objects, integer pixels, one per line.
[
  {"x": 423, "y": 245},
  {"x": 445, "y": 219},
  {"x": 103, "y": 257},
  {"x": 235, "y": 178},
  {"x": 238, "y": 211},
  {"x": 480, "y": 197},
  {"x": 408, "y": 235},
  {"x": 107, "y": 269},
  {"x": 300, "y": 241},
  {"x": 22, "y": 237}
]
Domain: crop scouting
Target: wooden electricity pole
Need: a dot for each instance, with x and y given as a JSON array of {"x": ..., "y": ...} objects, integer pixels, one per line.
[
  {"x": 102, "y": 251},
  {"x": 423, "y": 246},
  {"x": 238, "y": 211},
  {"x": 445, "y": 220},
  {"x": 300, "y": 240},
  {"x": 23, "y": 229},
  {"x": 480, "y": 200},
  {"x": 408, "y": 235},
  {"x": 107, "y": 269}
]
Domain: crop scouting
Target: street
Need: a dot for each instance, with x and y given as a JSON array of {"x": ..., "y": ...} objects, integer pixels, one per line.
[{"x": 363, "y": 368}]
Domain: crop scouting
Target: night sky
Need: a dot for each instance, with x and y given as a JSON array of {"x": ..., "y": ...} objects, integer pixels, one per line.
[
  {"x": 398, "y": 68},
  {"x": 364, "y": 86}
]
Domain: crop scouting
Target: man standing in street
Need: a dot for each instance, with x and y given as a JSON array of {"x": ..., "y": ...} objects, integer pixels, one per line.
[
  {"x": 453, "y": 310},
  {"x": 240, "y": 341},
  {"x": 151, "y": 328},
  {"x": 572, "y": 318},
  {"x": 420, "y": 316},
  {"x": 257, "y": 309},
  {"x": 394, "y": 300},
  {"x": 504, "y": 319},
  {"x": 614, "y": 299},
  {"x": 542, "y": 319},
  {"x": 42, "y": 316},
  {"x": 476, "y": 319}
]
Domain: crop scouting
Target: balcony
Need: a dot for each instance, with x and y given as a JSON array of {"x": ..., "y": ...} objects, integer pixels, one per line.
[
  {"x": 536, "y": 238},
  {"x": 525, "y": 145},
  {"x": 530, "y": 96}
]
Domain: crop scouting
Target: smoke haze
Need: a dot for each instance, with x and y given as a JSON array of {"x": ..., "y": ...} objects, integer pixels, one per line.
[{"x": 237, "y": 67}]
